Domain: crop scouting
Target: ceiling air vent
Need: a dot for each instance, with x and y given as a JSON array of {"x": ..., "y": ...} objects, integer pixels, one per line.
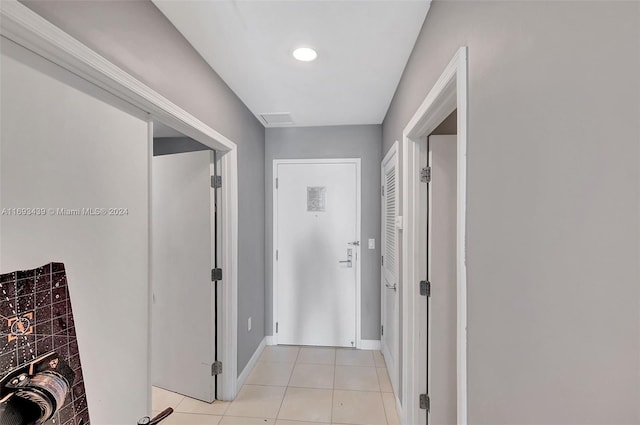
[{"x": 277, "y": 118}]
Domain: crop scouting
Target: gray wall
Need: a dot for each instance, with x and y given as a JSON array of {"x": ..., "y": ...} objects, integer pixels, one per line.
[
  {"x": 448, "y": 126},
  {"x": 137, "y": 37},
  {"x": 357, "y": 141},
  {"x": 171, "y": 145},
  {"x": 552, "y": 203}
]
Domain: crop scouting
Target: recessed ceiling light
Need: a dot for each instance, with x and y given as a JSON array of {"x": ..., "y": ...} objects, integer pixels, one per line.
[{"x": 305, "y": 54}]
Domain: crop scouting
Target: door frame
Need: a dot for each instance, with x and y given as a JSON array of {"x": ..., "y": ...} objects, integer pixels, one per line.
[
  {"x": 21, "y": 25},
  {"x": 391, "y": 154},
  {"x": 449, "y": 93},
  {"x": 357, "y": 163}
]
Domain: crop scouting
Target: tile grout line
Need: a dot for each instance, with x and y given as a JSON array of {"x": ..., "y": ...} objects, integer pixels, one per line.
[
  {"x": 333, "y": 386},
  {"x": 384, "y": 408},
  {"x": 386, "y": 411},
  {"x": 286, "y": 388}
]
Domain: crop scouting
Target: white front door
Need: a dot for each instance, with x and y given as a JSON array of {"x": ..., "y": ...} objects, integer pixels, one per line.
[
  {"x": 389, "y": 294},
  {"x": 183, "y": 331},
  {"x": 316, "y": 215}
]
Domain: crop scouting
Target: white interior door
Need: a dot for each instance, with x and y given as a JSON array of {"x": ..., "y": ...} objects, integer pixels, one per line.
[
  {"x": 316, "y": 242},
  {"x": 389, "y": 294},
  {"x": 183, "y": 331},
  {"x": 442, "y": 372}
]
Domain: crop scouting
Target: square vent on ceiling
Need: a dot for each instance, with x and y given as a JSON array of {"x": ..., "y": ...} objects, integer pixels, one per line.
[{"x": 277, "y": 118}]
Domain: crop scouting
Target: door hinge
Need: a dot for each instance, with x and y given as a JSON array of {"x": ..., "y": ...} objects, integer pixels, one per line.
[
  {"x": 425, "y": 402},
  {"x": 425, "y": 288},
  {"x": 276, "y": 255},
  {"x": 382, "y": 259},
  {"x": 216, "y": 368},
  {"x": 216, "y": 182},
  {"x": 276, "y": 182},
  {"x": 276, "y": 327},
  {"x": 382, "y": 190},
  {"x": 381, "y": 329},
  {"x": 425, "y": 175},
  {"x": 216, "y": 274}
]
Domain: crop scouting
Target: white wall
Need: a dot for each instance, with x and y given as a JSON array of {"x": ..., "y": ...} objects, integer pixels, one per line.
[{"x": 61, "y": 148}]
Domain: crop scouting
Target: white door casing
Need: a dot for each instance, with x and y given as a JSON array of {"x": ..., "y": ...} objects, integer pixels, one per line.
[
  {"x": 183, "y": 322},
  {"x": 316, "y": 226},
  {"x": 389, "y": 269}
]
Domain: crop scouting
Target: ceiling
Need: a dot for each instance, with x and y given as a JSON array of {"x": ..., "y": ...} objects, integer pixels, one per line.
[{"x": 363, "y": 47}]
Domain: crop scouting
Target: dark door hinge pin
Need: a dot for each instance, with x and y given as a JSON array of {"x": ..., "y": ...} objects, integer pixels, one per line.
[
  {"x": 425, "y": 288},
  {"x": 216, "y": 274},
  {"x": 425, "y": 402}
]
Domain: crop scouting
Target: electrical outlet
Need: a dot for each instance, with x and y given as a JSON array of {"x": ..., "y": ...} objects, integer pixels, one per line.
[
  {"x": 249, "y": 325},
  {"x": 372, "y": 244}
]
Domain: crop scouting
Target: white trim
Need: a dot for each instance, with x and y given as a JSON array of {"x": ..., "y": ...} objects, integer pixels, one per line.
[
  {"x": 355, "y": 161},
  {"x": 394, "y": 371},
  {"x": 251, "y": 364},
  {"x": 229, "y": 247},
  {"x": 274, "y": 249},
  {"x": 28, "y": 29},
  {"x": 370, "y": 344},
  {"x": 270, "y": 340},
  {"x": 449, "y": 93},
  {"x": 149, "y": 256}
]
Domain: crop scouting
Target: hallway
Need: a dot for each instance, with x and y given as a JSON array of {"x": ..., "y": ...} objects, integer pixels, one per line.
[{"x": 298, "y": 385}]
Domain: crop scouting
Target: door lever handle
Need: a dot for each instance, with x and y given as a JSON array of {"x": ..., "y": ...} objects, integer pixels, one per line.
[
  {"x": 349, "y": 258},
  {"x": 394, "y": 287},
  {"x": 349, "y": 263},
  {"x": 354, "y": 243}
]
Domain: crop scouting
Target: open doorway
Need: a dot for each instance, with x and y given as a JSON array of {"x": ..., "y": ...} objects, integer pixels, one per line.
[
  {"x": 441, "y": 272},
  {"x": 434, "y": 253},
  {"x": 129, "y": 146}
]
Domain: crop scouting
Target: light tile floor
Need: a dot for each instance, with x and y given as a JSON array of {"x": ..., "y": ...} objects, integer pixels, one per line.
[{"x": 298, "y": 386}]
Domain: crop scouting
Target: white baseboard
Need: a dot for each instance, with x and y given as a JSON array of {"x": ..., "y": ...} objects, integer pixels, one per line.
[
  {"x": 370, "y": 344},
  {"x": 399, "y": 410},
  {"x": 270, "y": 340},
  {"x": 252, "y": 363}
]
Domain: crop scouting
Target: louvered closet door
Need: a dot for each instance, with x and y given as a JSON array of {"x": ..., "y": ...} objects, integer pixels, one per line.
[{"x": 389, "y": 298}]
